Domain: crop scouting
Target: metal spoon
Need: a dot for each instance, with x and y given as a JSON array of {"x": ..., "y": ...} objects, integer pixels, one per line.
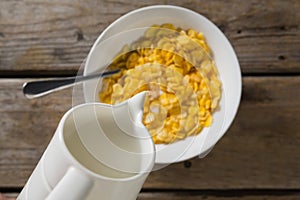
[{"x": 36, "y": 89}]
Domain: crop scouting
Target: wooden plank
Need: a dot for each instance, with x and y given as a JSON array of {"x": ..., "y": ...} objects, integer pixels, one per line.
[
  {"x": 8, "y": 196},
  {"x": 217, "y": 195},
  {"x": 200, "y": 195},
  {"x": 261, "y": 149},
  {"x": 55, "y": 37}
]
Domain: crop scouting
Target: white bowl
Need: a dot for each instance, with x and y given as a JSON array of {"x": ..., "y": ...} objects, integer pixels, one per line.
[{"x": 108, "y": 44}]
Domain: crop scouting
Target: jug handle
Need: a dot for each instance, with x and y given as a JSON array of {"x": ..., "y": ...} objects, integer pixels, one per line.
[{"x": 74, "y": 185}]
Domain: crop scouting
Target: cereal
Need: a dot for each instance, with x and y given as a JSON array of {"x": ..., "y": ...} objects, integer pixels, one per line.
[{"x": 175, "y": 66}]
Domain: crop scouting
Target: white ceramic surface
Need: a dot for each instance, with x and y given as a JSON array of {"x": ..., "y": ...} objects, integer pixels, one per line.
[
  {"x": 108, "y": 44},
  {"x": 90, "y": 157}
]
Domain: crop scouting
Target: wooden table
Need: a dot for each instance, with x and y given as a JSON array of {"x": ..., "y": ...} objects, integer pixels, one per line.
[{"x": 258, "y": 158}]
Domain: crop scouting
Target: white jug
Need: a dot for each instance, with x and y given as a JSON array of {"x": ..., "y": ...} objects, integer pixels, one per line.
[{"x": 98, "y": 151}]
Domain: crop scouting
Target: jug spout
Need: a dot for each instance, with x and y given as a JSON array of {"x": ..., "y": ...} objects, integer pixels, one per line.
[
  {"x": 127, "y": 115},
  {"x": 136, "y": 106}
]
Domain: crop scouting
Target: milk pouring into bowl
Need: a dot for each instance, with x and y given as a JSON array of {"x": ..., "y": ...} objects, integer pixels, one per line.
[
  {"x": 101, "y": 151},
  {"x": 132, "y": 26},
  {"x": 97, "y": 152}
]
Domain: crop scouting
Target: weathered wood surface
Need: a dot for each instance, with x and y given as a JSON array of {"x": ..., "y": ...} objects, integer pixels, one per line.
[
  {"x": 259, "y": 157},
  {"x": 233, "y": 195},
  {"x": 261, "y": 149},
  {"x": 204, "y": 195},
  {"x": 54, "y": 37}
]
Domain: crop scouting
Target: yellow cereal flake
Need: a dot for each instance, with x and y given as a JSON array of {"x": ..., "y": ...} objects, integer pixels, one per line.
[{"x": 175, "y": 66}]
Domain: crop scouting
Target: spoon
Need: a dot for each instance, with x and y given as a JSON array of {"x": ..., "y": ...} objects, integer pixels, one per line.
[{"x": 41, "y": 88}]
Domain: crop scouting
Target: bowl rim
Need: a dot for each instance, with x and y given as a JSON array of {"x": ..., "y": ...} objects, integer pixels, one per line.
[{"x": 238, "y": 74}]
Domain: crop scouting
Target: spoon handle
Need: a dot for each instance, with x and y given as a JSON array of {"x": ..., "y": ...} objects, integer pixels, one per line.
[{"x": 36, "y": 89}]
